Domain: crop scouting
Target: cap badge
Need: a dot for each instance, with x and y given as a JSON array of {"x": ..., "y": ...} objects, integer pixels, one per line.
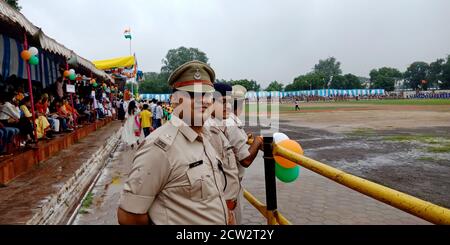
[{"x": 197, "y": 75}]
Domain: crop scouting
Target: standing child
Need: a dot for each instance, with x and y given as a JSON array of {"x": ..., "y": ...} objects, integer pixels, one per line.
[{"x": 146, "y": 120}]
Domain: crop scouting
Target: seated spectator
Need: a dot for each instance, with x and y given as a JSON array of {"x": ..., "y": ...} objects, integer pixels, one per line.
[
  {"x": 42, "y": 107},
  {"x": 7, "y": 135},
  {"x": 43, "y": 127},
  {"x": 90, "y": 107},
  {"x": 67, "y": 120},
  {"x": 82, "y": 110},
  {"x": 73, "y": 114},
  {"x": 26, "y": 121},
  {"x": 9, "y": 118},
  {"x": 20, "y": 95},
  {"x": 99, "y": 109},
  {"x": 107, "y": 110}
]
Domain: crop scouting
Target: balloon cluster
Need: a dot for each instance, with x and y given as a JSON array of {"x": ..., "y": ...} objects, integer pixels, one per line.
[
  {"x": 286, "y": 170},
  {"x": 70, "y": 74},
  {"x": 30, "y": 55},
  {"x": 94, "y": 83}
]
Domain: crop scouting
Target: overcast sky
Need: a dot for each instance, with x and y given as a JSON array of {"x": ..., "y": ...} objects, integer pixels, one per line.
[{"x": 264, "y": 40}]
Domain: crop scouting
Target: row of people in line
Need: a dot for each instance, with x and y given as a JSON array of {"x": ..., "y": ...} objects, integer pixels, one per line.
[{"x": 430, "y": 96}]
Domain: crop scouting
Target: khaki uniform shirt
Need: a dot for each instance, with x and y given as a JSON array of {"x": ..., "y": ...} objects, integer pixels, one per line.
[
  {"x": 225, "y": 151},
  {"x": 234, "y": 131},
  {"x": 175, "y": 179}
]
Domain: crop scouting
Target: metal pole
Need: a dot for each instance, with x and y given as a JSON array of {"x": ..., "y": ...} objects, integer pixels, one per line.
[
  {"x": 71, "y": 100},
  {"x": 132, "y": 89},
  {"x": 271, "y": 187},
  {"x": 30, "y": 88}
]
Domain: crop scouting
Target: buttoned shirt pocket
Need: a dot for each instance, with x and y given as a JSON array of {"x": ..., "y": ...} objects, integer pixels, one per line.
[
  {"x": 230, "y": 157},
  {"x": 202, "y": 183},
  {"x": 195, "y": 176}
]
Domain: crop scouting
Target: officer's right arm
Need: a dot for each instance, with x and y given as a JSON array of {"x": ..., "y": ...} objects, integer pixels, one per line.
[{"x": 148, "y": 176}]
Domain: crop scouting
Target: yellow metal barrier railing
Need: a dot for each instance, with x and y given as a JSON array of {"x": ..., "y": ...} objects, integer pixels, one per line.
[
  {"x": 273, "y": 217},
  {"x": 415, "y": 206}
]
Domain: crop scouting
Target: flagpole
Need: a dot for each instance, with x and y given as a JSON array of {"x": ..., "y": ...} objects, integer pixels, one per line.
[{"x": 128, "y": 36}]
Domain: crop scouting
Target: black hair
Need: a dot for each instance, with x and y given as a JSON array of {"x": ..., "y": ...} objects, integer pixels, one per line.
[
  {"x": 8, "y": 97},
  {"x": 145, "y": 107},
  {"x": 223, "y": 88},
  {"x": 132, "y": 107},
  {"x": 25, "y": 100}
]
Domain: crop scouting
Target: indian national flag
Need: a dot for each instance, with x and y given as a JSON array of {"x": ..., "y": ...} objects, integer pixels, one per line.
[{"x": 127, "y": 34}]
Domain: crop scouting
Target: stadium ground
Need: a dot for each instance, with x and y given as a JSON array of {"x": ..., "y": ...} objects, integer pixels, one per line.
[{"x": 403, "y": 144}]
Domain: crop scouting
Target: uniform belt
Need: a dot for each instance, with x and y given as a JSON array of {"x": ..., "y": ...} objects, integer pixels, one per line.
[{"x": 231, "y": 204}]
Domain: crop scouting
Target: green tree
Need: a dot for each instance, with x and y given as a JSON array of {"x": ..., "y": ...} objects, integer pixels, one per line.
[
  {"x": 309, "y": 81},
  {"x": 14, "y": 4},
  {"x": 250, "y": 85},
  {"x": 338, "y": 82},
  {"x": 321, "y": 76},
  {"x": 352, "y": 82},
  {"x": 384, "y": 78},
  {"x": 154, "y": 83},
  {"x": 275, "y": 86},
  {"x": 416, "y": 73},
  {"x": 298, "y": 84},
  {"x": 436, "y": 72},
  {"x": 328, "y": 68},
  {"x": 445, "y": 78},
  {"x": 179, "y": 56}
]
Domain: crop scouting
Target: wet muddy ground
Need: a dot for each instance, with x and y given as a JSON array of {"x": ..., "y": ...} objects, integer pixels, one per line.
[{"x": 403, "y": 159}]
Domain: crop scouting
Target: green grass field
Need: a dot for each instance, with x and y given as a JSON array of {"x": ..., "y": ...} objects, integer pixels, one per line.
[{"x": 290, "y": 108}]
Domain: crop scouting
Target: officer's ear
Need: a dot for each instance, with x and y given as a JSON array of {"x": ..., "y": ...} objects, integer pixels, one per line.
[{"x": 176, "y": 98}]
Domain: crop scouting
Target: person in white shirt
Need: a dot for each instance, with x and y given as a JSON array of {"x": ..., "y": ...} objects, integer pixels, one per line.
[
  {"x": 9, "y": 117},
  {"x": 152, "y": 109},
  {"x": 158, "y": 115}
]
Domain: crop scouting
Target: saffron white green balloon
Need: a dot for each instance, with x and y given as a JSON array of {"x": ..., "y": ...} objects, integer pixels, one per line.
[
  {"x": 72, "y": 77},
  {"x": 33, "y": 51},
  {"x": 34, "y": 60},
  {"x": 278, "y": 137},
  {"x": 287, "y": 175}
]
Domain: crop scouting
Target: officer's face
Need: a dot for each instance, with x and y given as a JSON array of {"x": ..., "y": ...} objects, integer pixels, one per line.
[
  {"x": 239, "y": 106},
  {"x": 193, "y": 108},
  {"x": 222, "y": 107},
  {"x": 201, "y": 107}
]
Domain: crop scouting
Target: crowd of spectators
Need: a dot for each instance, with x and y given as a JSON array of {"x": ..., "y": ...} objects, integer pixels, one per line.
[{"x": 55, "y": 111}]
